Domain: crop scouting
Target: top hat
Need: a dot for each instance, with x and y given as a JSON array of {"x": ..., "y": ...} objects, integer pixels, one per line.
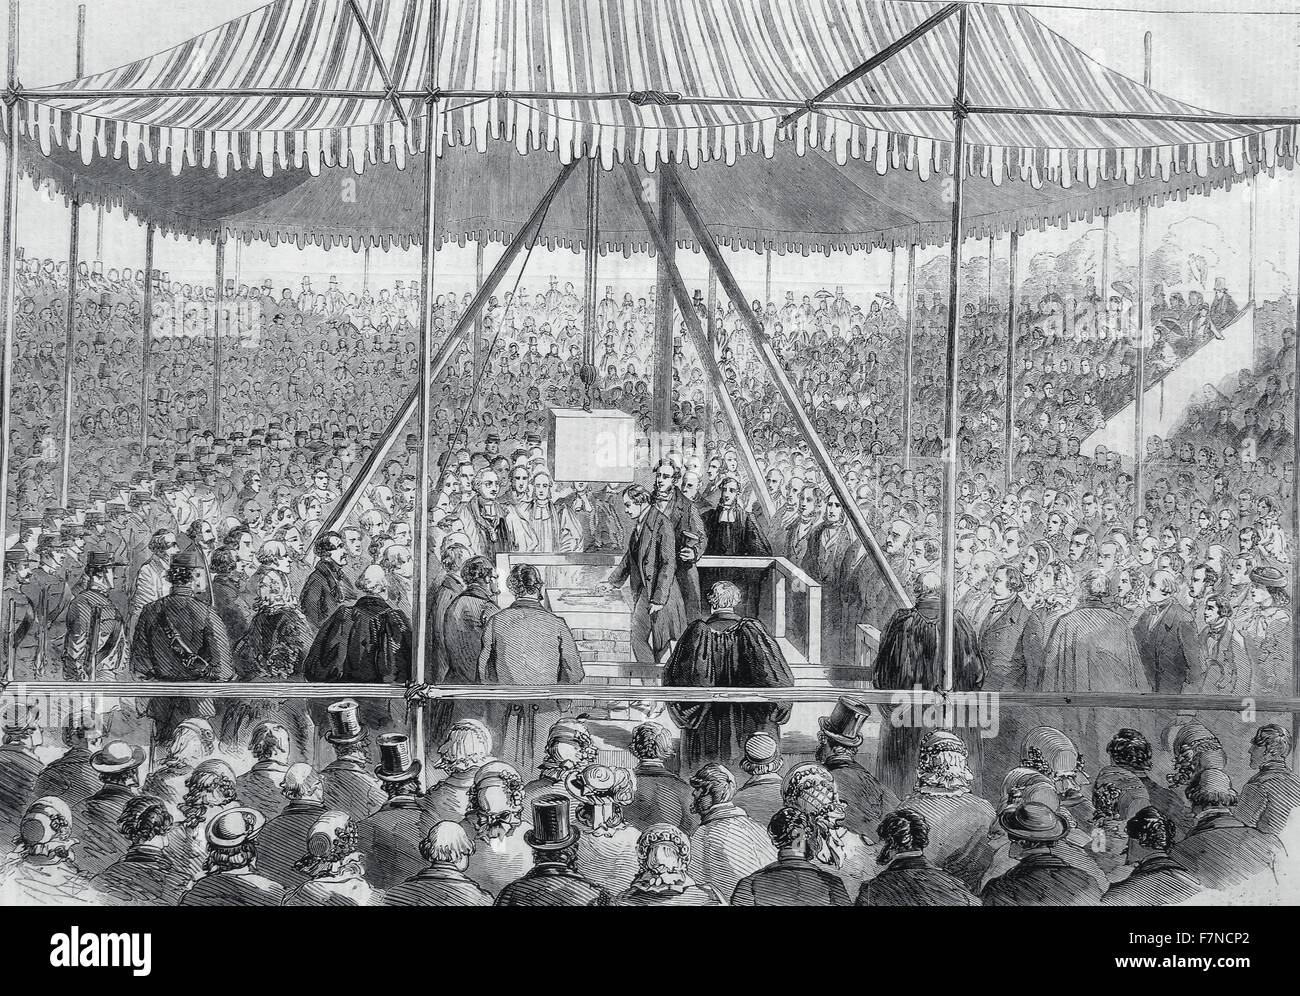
[
  {"x": 99, "y": 559},
  {"x": 493, "y": 438},
  {"x": 117, "y": 756},
  {"x": 551, "y": 830},
  {"x": 844, "y": 724},
  {"x": 395, "y": 764},
  {"x": 345, "y": 726},
  {"x": 1033, "y": 821},
  {"x": 234, "y": 827},
  {"x": 17, "y": 555}
]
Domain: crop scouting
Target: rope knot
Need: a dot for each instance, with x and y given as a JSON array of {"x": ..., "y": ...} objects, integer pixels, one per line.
[
  {"x": 13, "y": 94},
  {"x": 960, "y": 109}
]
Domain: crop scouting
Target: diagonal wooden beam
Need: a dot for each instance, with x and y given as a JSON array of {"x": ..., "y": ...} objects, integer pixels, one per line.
[
  {"x": 709, "y": 246},
  {"x": 702, "y": 345},
  {"x": 438, "y": 363},
  {"x": 881, "y": 57},
  {"x": 389, "y": 88}
]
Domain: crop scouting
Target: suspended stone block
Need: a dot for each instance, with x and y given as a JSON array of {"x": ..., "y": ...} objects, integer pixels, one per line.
[{"x": 592, "y": 446}]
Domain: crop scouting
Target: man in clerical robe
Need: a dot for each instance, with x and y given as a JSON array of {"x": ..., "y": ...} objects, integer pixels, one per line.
[
  {"x": 733, "y": 532},
  {"x": 725, "y": 650},
  {"x": 540, "y": 524},
  {"x": 910, "y": 657},
  {"x": 1092, "y": 649}
]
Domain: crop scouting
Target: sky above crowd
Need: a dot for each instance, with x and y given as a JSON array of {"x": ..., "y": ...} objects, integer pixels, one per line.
[{"x": 1239, "y": 57}]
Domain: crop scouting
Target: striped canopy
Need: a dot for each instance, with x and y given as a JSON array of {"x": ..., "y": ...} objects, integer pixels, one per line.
[{"x": 694, "y": 81}]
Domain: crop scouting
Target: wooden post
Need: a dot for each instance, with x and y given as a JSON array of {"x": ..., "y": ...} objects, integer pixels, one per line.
[
  {"x": 893, "y": 273},
  {"x": 1012, "y": 259},
  {"x": 1254, "y": 236},
  {"x": 477, "y": 348},
  {"x": 69, "y": 341},
  {"x": 8, "y": 286},
  {"x": 767, "y": 278},
  {"x": 677, "y": 288},
  {"x": 1295, "y": 531},
  {"x": 663, "y": 343},
  {"x": 1140, "y": 375},
  {"x": 950, "y": 454},
  {"x": 908, "y": 343},
  {"x": 343, "y": 507},
  {"x": 589, "y": 275},
  {"x": 704, "y": 239},
  {"x": 1105, "y": 265},
  {"x": 365, "y": 269},
  {"x": 146, "y": 335},
  {"x": 218, "y": 327},
  {"x": 424, "y": 407},
  {"x": 711, "y": 327},
  {"x": 988, "y": 294}
]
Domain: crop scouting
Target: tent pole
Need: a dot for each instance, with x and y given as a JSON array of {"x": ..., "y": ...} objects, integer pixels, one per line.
[
  {"x": 146, "y": 335},
  {"x": 1254, "y": 235},
  {"x": 365, "y": 270},
  {"x": 69, "y": 341},
  {"x": 908, "y": 336},
  {"x": 767, "y": 279},
  {"x": 703, "y": 346},
  {"x": 711, "y": 326},
  {"x": 1105, "y": 267},
  {"x": 477, "y": 352},
  {"x": 1013, "y": 257},
  {"x": 988, "y": 294},
  {"x": 947, "y": 631},
  {"x": 709, "y": 246},
  {"x": 8, "y": 282},
  {"x": 218, "y": 328},
  {"x": 589, "y": 276},
  {"x": 663, "y": 341},
  {"x": 416, "y": 715},
  {"x": 1139, "y": 418},
  {"x": 81, "y": 71},
  {"x": 347, "y": 501},
  {"x": 893, "y": 272}
]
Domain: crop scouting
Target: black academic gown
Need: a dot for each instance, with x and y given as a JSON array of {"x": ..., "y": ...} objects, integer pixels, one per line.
[
  {"x": 725, "y": 651},
  {"x": 909, "y": 656}
]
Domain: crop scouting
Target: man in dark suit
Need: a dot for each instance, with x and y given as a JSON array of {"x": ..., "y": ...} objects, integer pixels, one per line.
[
  {"x": 180, "y": 637},
  {"x": 118, "y": 765},
  {"x": 443, "y": 883},
  {"x": 146, "y": 874},
  {"x": 390, "y": 838},
  {"x": 1156, "y": 878},
  {"x": 794, "y": 878},
  {"x": 552, "y": 880},
  {"x": 1011, "y": 644},
  {"x": 906, "y": 877},
  {"x": 349, "y": 785},
  {"x": 284, "y": 839},
  {"x": 1220, "y": 851},
  {"x": 839, "y": 736},
  {"x": 327, "y": 587},
  {"x": 19, "y": 769},
  {"x": 649, "y": 565},
  {"x": 1272, "y": 794},
  {"x": 1039, "y": 878},
  {"x": 259, "y": 786},
  {"x": 232, "y": 878},
  {"x": 70, "y": 777},
  {"x": 660, "y": 796},
  {"x": 688, "y": 531},
  {"x": 1166, "y": 637}
]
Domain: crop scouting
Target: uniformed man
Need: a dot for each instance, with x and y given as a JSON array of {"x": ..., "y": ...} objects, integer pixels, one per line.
[
  {"x": 95, "y": 644},
  {"x": 48, "y": 592},
  {"x": 19, "y": 620},
  {"x": 180, "y": 637}
]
